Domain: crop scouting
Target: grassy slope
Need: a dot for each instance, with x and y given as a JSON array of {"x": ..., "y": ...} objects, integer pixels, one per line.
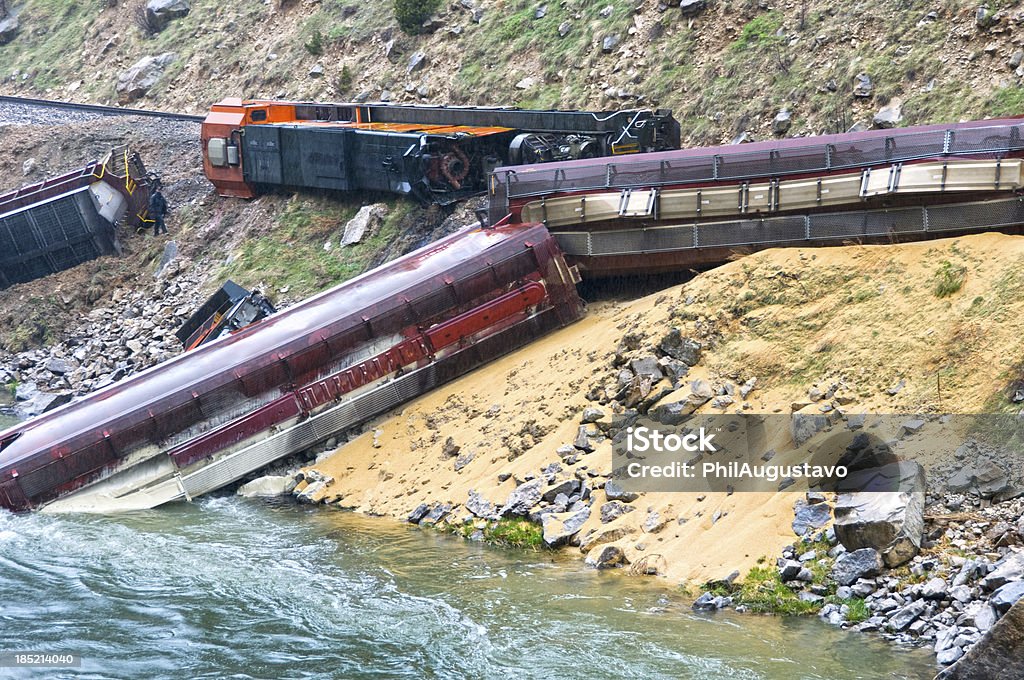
[{"x": 729, "y": 70}]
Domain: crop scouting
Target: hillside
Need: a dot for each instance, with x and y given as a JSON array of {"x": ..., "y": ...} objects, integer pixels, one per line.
[
  {"x": 726, "y": 67},
  {"x": 851, "y": 322}
]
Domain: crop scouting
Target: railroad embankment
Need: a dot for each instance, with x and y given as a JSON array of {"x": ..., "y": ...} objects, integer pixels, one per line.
[
  {"x": 732, "y": 70},
  {"x": 520, "y": 451}
]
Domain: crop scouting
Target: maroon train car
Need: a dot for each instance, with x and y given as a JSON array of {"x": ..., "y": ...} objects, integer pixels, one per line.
[
  {"x": 681, "y": 208},
  {"x": 210, "y": 416}
]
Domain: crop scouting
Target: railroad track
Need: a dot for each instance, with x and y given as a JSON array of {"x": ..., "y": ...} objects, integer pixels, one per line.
[{"x": 100, "y": 110}]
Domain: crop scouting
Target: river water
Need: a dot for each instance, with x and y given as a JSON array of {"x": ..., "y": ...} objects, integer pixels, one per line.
[{"x": 229, "y": 587}]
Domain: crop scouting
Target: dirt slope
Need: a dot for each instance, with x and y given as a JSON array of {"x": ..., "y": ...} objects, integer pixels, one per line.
[{"x": 858, "y": 319}]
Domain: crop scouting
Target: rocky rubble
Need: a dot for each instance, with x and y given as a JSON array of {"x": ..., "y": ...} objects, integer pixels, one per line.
[
  {"x": 128, "y": 332},
  {"x": 969, "y": 576}
]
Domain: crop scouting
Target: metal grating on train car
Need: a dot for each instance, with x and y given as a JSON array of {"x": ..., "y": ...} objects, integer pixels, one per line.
[{"x": 66, "y": 220}]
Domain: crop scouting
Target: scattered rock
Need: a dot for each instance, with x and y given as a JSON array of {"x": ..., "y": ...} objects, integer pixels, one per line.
[
  {"x": 8, "y": 29},
  {"x": 135, "y": 82},
  {"x": 364, "y": 224},
  {"x": 782, "y": 122},
  {"x": 862, "y": 86},
  {"x": 417, "y": 62},
  {"x": 891, "y": 522},
  {"x": 270, "y": 485},
  {"x": 160, "y": 13},
  {"x": 610, "y": 42},
  {"x": 614, "y": 492},
  {"x": 997, "y": 654},
  {"x": 903, "y": 617},
  {"x": 680, "y": 348},
  {"x": 612, "y": 510},
  {"x": 606, "y": 557},
  {"x": 522, "y": 498},
  {"x": 561, "y": 526},
  {"x": 858, "y": 564},
  {"x": 888, "y": 116}
]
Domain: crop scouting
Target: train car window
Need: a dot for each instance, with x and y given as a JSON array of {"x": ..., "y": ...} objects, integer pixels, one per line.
[{"x": 258, "y": 115}]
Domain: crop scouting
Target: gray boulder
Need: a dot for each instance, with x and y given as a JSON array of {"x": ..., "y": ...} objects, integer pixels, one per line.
[
  {"x": 891, "y": 522},
  {"x": 982, "y": 477},
  {"x": 691, "y": 8},
  {"x": 614, "y": 491},
  {"x": 8, "y": 29},
  {"x": 364, "y": 224},
  {"x": 522, "y": 498},
  {"x": 480, "y": 506},
  {"x": 559, "y": 527},
  {"x": 417, "y": 62},
  {"x": 1010, "y": 568},
  {"x": 999, "y": 653},
  {"x": 905, "y": 616},
  {"x": 270, "y": 485},
  {"x": 678, "y": 347},
  {"x": 612, "y": 510},
  {"x": 1006, "y": 596},
  {"x": 862, "y": 563},
  {"x": 807, "y": 517},
  {"x": 160, "y": 13},
  {"x": 782, "y": 122},
  {"x": 606, "y": 557},
  {"x": 142, "y": 76},
  {"x": 888, "y": 117}
]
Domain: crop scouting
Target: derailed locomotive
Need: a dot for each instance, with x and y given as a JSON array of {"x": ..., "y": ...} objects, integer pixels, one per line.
[
  {"x": 212, "y": 415},
  {"x": 434, "y": 153}
]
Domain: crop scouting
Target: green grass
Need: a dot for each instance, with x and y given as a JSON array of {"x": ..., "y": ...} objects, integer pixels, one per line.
[
  {"x": 761, "y": 31},
  {"x": 512, "y": 533},
  {"x": 518, "y": 533},
  {"x": 1007, "y": 101},
  {"x": 292, "y": 255},
  {"x": 948, "y": 279}
]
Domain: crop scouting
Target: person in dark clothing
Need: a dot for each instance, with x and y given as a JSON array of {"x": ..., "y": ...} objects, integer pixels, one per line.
[{"x": 157, "y": 210}]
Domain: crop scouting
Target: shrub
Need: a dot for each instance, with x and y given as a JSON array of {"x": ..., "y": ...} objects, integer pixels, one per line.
[
  {"x": 948, "y": 279},
  {"x": 343, "y": 82},
  {"x": 411, "y": 14},
  {"x": 315, "y": 46}
]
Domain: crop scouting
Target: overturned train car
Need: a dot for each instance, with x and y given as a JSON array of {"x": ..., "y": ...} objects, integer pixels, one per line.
[
  {"x": 66, "y": 220},
  {"x": 434, "y": 153},
  {"x": 699, "y": 206},
  {"x": 212, "y": 415}
]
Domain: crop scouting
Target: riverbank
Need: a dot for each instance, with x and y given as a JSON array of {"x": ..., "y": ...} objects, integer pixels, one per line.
[{"x": 917, "y": 329}]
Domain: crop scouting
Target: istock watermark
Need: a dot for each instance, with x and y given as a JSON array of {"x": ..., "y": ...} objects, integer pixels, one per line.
[{"x": 981, "y": 454}]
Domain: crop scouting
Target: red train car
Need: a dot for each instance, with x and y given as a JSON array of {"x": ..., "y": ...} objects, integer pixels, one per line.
[{"x": 210, "y": 416}]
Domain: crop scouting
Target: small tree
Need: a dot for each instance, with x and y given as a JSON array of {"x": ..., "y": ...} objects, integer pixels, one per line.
[{"x": 411, "y": 14}]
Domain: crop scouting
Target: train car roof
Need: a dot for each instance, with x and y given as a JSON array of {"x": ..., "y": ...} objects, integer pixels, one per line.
[{"x": 178, "y": 375}]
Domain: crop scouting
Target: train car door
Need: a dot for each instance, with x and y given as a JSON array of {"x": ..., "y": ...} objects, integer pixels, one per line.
[{"x": 262, "y": 154}]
